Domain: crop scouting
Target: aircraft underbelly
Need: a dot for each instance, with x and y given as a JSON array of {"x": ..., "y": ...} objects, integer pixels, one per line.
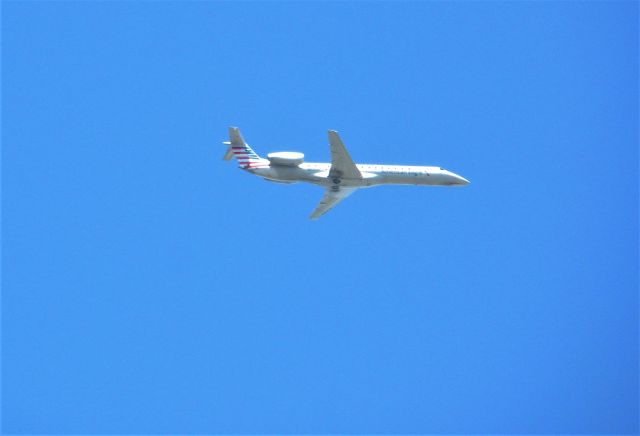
[
  {"x": 409, "y": 179},
  {"x": 286, "y": 174},
  {"x": 289, "y": 175}
]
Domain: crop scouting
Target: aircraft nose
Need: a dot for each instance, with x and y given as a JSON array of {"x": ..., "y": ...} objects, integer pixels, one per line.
[
  {"x": 462, "y": 180},
  {"x": 458, "y": 180}
]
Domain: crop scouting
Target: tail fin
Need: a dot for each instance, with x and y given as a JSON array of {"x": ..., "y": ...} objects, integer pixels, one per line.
[{"x": 247, "y": 158}]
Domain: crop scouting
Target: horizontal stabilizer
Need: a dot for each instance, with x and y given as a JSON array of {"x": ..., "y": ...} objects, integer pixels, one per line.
[{"x": 229, "y": 153}]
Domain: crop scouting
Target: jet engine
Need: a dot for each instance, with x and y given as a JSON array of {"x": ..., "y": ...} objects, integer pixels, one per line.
[{"x": 286, "y": 158}]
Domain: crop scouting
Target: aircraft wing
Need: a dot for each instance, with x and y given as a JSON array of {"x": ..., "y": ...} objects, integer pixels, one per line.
[
  {"x": 330, "y": 199},
  {"x": 342, "y": 165}
]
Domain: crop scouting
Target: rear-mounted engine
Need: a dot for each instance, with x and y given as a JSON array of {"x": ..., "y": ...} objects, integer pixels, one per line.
[{"x": 286, "y": 158}]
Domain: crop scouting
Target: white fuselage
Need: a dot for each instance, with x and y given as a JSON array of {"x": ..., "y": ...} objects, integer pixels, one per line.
[
  {"x": 340, "y": 178},
  {"x": 318, "y": 173}
]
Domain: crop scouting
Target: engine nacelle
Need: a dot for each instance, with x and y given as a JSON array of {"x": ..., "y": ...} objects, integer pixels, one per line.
[{"x": 286, "y": 158}]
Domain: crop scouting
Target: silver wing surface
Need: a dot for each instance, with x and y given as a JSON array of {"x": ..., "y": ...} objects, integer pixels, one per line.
[
  {"x": 342, "y": 165},
  {"x": 330, "y": 199}
]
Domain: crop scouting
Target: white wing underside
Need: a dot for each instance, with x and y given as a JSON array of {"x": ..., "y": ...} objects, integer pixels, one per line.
[
  {"x": 342, "y": 165},
  {"x": 330, "y": 199}
]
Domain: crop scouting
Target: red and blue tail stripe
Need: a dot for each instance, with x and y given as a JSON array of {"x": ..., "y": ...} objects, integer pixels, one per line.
[{"x": 246, "y": 157}]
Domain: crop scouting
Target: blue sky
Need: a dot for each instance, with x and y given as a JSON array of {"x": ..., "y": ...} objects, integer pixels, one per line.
[{"x": 150, "y": 287}]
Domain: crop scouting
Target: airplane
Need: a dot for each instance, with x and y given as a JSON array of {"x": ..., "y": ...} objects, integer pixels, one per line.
[{"x": 340, "y": 178}]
